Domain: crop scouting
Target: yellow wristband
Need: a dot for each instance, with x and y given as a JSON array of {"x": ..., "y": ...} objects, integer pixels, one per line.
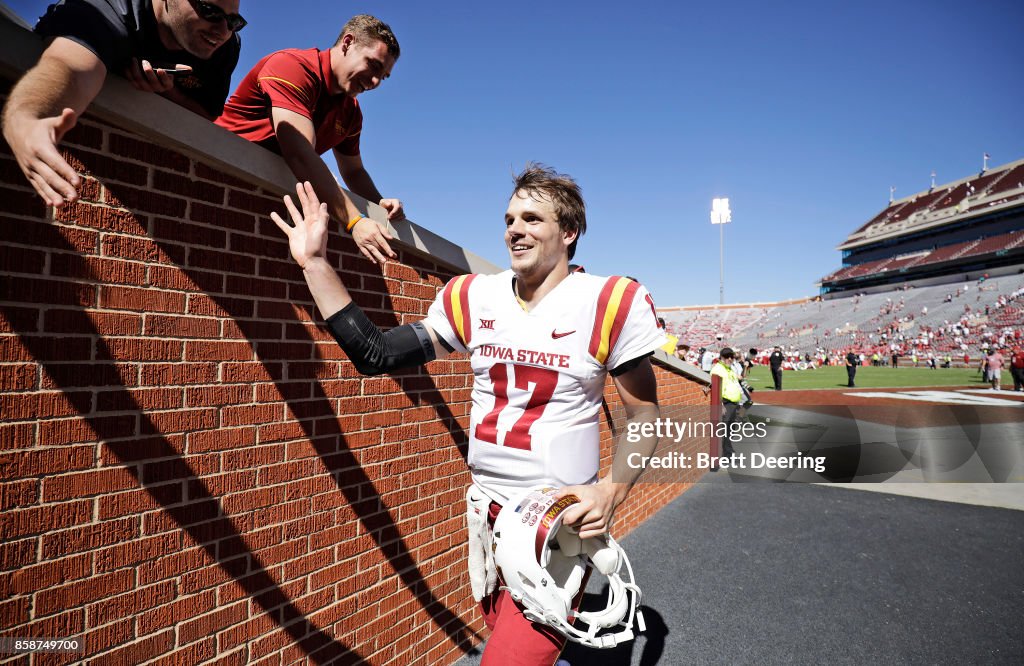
[{"x": 352, "y": 222}]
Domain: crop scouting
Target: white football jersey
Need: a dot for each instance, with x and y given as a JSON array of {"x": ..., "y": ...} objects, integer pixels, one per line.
[{"x": 538, "y": 376}]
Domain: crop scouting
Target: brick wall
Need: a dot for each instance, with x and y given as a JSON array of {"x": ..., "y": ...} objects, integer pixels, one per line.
[{"x": 188, "y": 467}]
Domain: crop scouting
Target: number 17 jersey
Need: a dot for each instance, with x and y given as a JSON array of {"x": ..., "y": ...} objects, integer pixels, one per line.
[{"x": 539, "y": 376}]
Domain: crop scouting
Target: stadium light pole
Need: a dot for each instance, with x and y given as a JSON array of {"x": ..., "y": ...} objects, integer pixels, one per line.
[{"x": 721, "y": 215}]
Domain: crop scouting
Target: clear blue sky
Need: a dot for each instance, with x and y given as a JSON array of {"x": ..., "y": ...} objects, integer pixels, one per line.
[{"x": 802, "y": 113}]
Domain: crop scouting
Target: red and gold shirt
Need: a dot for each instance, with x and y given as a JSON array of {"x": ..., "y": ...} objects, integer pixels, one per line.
[{"x": 300, "y": 81}]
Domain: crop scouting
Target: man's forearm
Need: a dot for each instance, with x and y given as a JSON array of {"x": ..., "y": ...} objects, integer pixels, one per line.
[
  {"x": 359, "y": 181},
  {"x": 327, "y": 289},
  {"x": 622, "y": 474},
  {"x": 307, "y": 165}
]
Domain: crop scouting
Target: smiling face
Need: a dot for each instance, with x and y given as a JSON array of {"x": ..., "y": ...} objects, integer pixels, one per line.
[
  {"x": 181, "y": 28},
  {"x": 360, "y": 66},
  {"x": 537, "y": 246}
]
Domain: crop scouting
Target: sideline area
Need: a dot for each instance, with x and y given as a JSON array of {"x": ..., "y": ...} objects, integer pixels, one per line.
[{"x": 754, "y": 573}]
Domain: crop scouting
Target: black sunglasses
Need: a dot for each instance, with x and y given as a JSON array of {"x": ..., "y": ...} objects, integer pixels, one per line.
[{"x": 213, "y": 13}]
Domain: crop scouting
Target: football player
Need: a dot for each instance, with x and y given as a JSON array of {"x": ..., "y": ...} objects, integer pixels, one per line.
[{"x": 541, "y": 342}]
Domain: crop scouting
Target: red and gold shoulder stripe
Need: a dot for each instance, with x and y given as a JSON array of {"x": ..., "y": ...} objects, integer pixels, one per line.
[
  {"x": 456, "y": 307},
  {"x": 612, "y": 309}
]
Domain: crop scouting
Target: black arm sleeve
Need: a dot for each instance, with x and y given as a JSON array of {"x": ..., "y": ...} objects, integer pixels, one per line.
[
  {"x": 374, "y": 352},
  {"x": 626, "y": 366}
]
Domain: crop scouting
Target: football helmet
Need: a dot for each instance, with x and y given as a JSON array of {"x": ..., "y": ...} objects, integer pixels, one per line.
[{"x": 542, "y": 565}]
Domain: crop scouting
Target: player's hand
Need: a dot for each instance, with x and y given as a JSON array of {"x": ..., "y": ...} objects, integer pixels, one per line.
[
  {"x": 146, "y": 78},
  {"x": 394, "y": 209},
  {"x": 592, "y": 515},
  {"x": 372, "y": 240},
  {"x": 34, "y": 144},
  {"x": 307, "y": 235}
]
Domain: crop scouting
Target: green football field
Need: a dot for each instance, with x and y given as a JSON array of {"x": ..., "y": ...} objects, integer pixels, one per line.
[{"x": 871, "y": 377}]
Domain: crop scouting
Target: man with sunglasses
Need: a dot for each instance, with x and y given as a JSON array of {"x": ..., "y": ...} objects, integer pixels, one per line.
[
  {"x": 184, "y": 50},
  {"x": 300, "y": 103}
]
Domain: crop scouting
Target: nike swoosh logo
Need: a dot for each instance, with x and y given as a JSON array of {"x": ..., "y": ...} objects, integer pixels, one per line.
[{"x": 555, "y": 335}]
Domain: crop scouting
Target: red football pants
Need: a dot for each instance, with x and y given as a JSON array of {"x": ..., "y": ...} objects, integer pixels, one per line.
[{"x": 515, "y": 640}]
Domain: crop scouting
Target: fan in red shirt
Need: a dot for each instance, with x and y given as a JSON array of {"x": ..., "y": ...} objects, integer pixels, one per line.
[{"x": 302, "y": 103}]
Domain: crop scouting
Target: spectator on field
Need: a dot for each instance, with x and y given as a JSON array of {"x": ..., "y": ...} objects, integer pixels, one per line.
[
  {"x": 851, "y": 368},
  {"x": 707, "y": 359},
  {"x": 995, "y": 370},
  {"x": 775, "y": 362},
  {"x": 139, "y": 39},
  {"x": 300, "y": 103},
  {"x": 1017, "y": 368}
]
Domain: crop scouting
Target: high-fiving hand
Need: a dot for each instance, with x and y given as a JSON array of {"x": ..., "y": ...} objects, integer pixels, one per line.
[{"x": 307, "y": 235}]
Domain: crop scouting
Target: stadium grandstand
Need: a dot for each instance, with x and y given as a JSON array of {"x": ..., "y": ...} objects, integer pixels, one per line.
[
  {"x": 972, "y": 226},
  {"x": 939, "y": 274}
]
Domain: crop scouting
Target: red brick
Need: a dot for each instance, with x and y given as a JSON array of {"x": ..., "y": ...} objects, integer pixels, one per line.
[
  {"x": 196, "y": 234},
  {"x": 97, "y": 269},
  {"x": 143, "y": 300},
  {"x": 37, "y": 520},
  {"x": 17, "y": 554},
  {"x": 222, "y": 439},
  {"x": 70, "y": 431},
  {"x": 108, "y": 636},
  {"x": 246, "y": 285},
  {"x": 146, "y": 152},
  {"x": 18, "y": 377},
  {"x": 105, "y": 323},
  {"x": 145, "y": 399},
  {"x": 85, "y": 484},
  {"x": 224, "y": 218},
  {"x": 98, "y": 216},
  {"x": 14, "y": 612},
  {"x": 21, "y": 260},
  {"x": 52, "y": 292},
  {"x": 250, "y": 415},
  {"x": 51, "y": 573},
  {"x": 14, "y": 494},
  {"x": 208, "y": 350},
  {"x": 178, "y": 374},
  {"x": 182, "y": 420},
  {"x": 142, "y": 650},
  {"x": 36, "y": 406},
  {"x": 219, "y": 176},
  {"x": 250, "y": 372},
  {"x": 86, "y": 373},
  {"x": 18, "y": 320},
  {"x": 172, "y": 183},
  {"x": 145, "y": 349},
  {"x": 38, "y": 462},
  {"x": 221, "y": 306},
  {"x": 84, "y": 134},
  {"x": 209, "y": 624},
  {"x": 172, "y": 277},
  {"x": 130, "y": 247},
  {"x": 88, "y": 537},
  {"x": 107, "y": 168},
  {"x": 262, "y": 246},
  {"x": 20, "y": 202},
  {"x": 134, "y": 502}
]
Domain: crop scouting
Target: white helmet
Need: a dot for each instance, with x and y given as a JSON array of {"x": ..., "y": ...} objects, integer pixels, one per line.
[{"x": 542, "y": 565}]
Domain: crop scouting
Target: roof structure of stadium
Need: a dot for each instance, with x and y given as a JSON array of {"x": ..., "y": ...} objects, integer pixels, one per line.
[{"x": 975, "y": 224}]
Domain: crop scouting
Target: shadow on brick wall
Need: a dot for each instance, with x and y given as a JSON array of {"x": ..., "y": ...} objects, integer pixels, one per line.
[{"x": 152, "y": 459}]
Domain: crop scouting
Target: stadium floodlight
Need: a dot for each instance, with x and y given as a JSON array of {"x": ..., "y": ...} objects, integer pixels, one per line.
[{"x": 721, "y": 215}]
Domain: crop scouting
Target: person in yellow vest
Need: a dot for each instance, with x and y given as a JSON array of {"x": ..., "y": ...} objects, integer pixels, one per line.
[{"x": 732, "y": 394}]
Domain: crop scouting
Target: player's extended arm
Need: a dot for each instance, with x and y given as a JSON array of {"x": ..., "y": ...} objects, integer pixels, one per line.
[
  {"x": 43, "y": 106},
  {"x": 370, "y": 350},
  {"x": 638, "y": 390}
]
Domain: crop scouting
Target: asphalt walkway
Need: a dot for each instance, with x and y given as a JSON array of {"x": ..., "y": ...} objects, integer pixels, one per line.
[{"x": 762, "y": 573}]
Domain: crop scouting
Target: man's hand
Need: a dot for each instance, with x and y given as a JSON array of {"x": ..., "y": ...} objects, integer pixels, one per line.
[
  {"x": 592, "y": 515},
  {"x": 394, "y": 209},
  {"x": 148, "y": 79},
  {"x": 34, "y": 144},
  {"x": 372, "y": 239},
  {"x": 307, "y": 235}
]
